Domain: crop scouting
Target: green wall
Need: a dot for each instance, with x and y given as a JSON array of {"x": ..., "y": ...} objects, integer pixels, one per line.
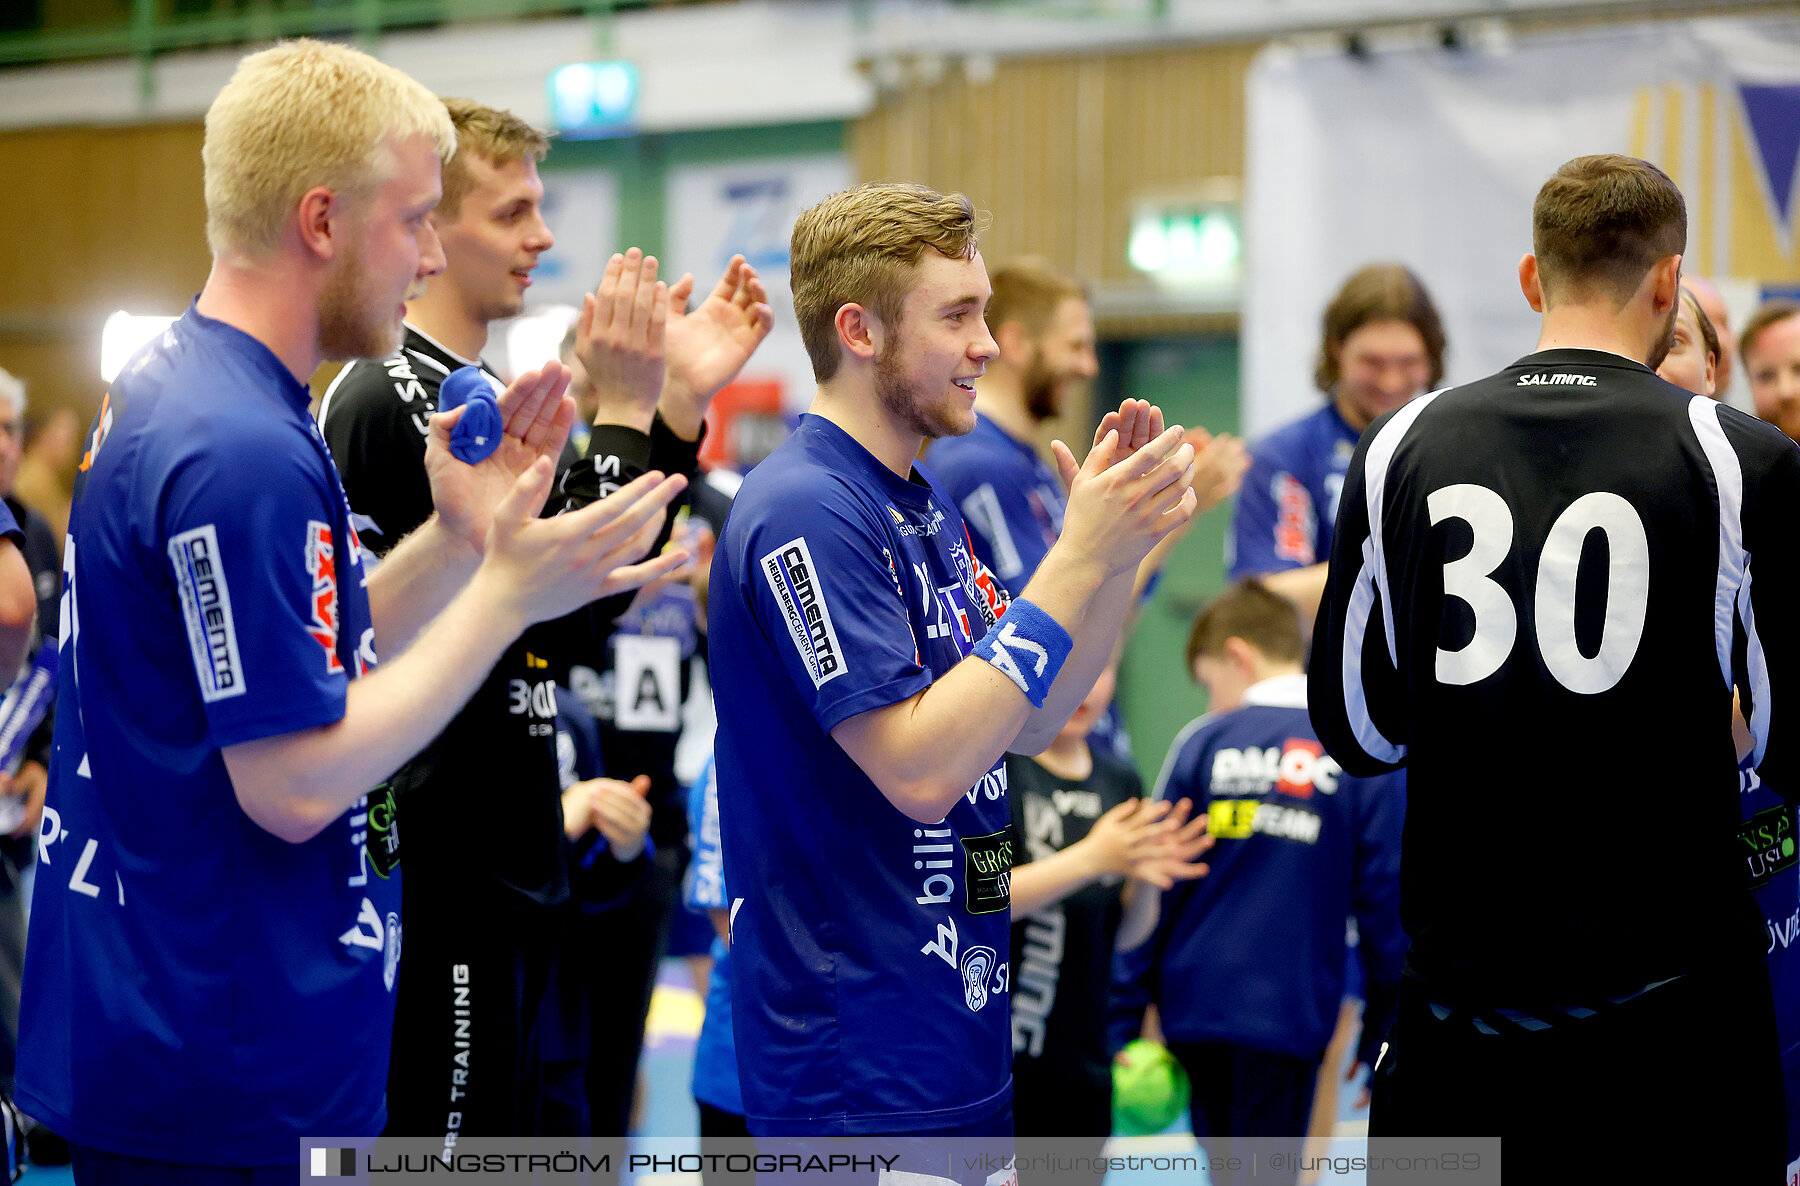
[{"x": 1195, "y": 382}]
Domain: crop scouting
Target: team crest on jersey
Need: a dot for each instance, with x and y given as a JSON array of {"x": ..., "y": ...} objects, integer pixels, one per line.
[
  {"x": 977, "y": 964},
  {"x": 206, "y": 606},
  {"x": 321, "y": 566},
  {"x": 390, "y": 952},
  {"x": 794, "y": 581}
]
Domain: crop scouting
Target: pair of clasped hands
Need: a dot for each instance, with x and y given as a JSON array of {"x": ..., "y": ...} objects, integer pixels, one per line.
[{"x": 646, "y": 353}]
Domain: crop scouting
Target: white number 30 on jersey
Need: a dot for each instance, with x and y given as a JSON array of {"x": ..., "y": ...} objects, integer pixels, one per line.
[{"x": 1496, "y": 620}]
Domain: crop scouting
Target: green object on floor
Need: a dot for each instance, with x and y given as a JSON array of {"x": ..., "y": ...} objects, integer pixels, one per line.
[{"x": 1150, "y": 1089}]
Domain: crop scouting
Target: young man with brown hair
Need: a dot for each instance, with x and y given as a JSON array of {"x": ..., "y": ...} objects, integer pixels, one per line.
[
  {"x": 874, "y": 687},
  {"x": 487, "y": 878},
  {"x": 1529, "y": 572},
  {"x": 1382, "y": 344},
  {"x": 211, "y": 976}
]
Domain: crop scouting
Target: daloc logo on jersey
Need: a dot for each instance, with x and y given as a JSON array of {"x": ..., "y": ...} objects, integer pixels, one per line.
[
  {"x": 794, "y": 581},
  {"x": 321, "y": 566},
  {"x": 206, "y": 605}
]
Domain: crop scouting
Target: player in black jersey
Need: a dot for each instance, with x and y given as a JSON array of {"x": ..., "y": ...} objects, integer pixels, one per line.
[
  {"x": 486, "y": 866},
  {"x": 1543, "y": 589}
]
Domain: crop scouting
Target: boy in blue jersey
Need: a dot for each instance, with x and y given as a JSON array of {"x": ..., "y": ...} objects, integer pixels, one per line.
[
  {"x": 870, "y": 688},
  {"x": 1383, "y": 345},
  {"x": 1248, "y": 964},
  {"x": 211, "y": 968}
]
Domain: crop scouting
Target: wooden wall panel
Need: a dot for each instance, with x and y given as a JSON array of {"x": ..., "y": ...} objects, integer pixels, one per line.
[
  {"x": 1060, "y": 149},
  {"x": 96, "y": 219}
]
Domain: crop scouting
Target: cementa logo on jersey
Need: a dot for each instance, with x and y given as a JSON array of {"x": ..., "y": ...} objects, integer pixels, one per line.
[
  {"x": 795, "y": 583},
  {"x": 206, "y": 608}
]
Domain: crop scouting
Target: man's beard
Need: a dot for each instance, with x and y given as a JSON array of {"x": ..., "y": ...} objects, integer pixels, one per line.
[
  {"x": 926, "y": 417},
  {"x": 348, "y": 328},
  {"x": 1043, "y": 393},
  {"x": 1659, "y": 349}
]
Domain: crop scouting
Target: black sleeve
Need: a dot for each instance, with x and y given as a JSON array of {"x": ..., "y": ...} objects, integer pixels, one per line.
[
  {"x": 616, "y": 456},
  {"x": 375, "y": 427},
  {"x": 1353, "y": 689},
  {"x": 1766, "y": 650}
]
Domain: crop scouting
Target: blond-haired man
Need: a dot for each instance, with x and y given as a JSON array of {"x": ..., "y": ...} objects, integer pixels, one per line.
[
  {"x": 876, "y": 687},
  {"x": 483, "y": 933},
  {"x": 216, "y": 939}
]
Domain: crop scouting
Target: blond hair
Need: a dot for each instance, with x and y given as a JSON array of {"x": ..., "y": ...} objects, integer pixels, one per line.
[
  {"x": 862, "y": 247},
  {"x": 492, "y": 134},
  {"x": 301, "y": 115}
]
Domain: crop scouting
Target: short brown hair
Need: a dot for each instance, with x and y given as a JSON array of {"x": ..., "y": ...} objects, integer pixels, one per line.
[
  {"x": 300, "y": 115},
  {"x": 1771, "y": 313},
  {"x": 1028, "y": 291},
  {"x": 496, "y": 136},
  {"x": 862, "y": 247},
  {"x": 1248, "y": 610},
  {"x": 1601, "y": 222},
  {"x": 1378, "y": 292}
]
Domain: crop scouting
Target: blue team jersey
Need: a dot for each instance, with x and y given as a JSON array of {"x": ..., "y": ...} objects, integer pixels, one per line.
[
  {"x": 1012, "y": 501},
  {"x": 1288, "y": 502},
  {"x": 703, "y": 889},
  {"x": 1254, "y": 952},
  {"x": 199, "y": 990},
  {"x": 870, "y": 984},
  {"x": 1769, "y": 840}
]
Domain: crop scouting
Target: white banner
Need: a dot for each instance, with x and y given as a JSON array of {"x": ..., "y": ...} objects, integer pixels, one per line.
[
  {"x": 1432, "y": 157},
  {"x": 748, "y": 207}
]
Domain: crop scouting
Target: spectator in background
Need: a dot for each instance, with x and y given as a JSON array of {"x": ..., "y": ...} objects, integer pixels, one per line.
[
  {"x": 1694, "y": 356},
  {"x": 1383, "y": 344},
  {"x": 1712, "y": 303},
  {"x": 46, "y": 467},
  {"x": 41, "y": 548},
  {"x": 1770, "y": 348}
]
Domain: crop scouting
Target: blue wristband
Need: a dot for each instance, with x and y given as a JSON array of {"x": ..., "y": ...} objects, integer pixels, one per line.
[{"x": 1028, "y": 647}]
